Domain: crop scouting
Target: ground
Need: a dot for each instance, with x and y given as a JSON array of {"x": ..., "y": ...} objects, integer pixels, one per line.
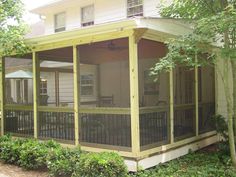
[{"x": 14, "y": 171}]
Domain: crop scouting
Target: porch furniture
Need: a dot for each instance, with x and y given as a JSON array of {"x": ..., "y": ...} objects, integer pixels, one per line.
[
  {"x": 106, "y": 101},
  {"x": 44, "y": 100}
]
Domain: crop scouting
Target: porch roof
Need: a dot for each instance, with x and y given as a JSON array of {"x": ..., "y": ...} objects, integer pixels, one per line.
[{"x": 151, "y": 28}]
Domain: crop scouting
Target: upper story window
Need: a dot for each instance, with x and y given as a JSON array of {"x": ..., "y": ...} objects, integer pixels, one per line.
[
  {"x": 134, "y": 8},
  {"x": 60, "y": 22},
  {"x": 87, "y": 15}
]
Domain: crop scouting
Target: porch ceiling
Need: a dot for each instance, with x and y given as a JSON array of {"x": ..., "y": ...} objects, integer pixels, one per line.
[{"x": 99, "y": 52}]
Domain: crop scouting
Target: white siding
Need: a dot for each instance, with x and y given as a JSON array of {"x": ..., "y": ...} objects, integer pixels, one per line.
[
  {"x": 114, "y": 80},
  {"x": 104, "y": 10},
  {"x": 66, "y": 88},
  {"x": 107, "y": 10},
  {"x": 151, "y": 8},
  {"x": 220, "y": 93}
]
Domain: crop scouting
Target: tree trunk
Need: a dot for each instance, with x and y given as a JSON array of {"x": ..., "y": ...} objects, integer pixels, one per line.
[{"x": 229, "y": 111}]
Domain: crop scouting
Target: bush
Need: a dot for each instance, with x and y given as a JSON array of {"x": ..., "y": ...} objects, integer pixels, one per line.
[
  {"x": 103, "y": 164},
  {"x": 10, "y": 150},
  {"x": 61, "y": 162},
  {"x": 5, "y": 138},
  {"x": 33, "y": 155}
]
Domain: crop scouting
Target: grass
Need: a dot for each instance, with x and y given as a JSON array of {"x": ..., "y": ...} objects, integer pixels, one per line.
[{"x": 199, "y": 164}]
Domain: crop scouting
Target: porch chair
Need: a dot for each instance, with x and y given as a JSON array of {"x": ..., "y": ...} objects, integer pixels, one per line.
[{"x": 106, "y": 101}]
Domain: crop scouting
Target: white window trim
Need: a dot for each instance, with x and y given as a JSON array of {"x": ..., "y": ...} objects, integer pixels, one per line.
[
  {"x": 55, "y": 29},
  {"x": 93, "y": 85},
  {"x": 89, "y": 21},
  {"x": 127, "y": 7}
]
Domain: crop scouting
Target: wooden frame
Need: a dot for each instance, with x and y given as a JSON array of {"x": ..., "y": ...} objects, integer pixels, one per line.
[
  {"x": 196, "y": 98},
  {"x": 2, "y": 91},
  {"x": 36, "y": 80},
  {"x": 134, "y": 94},
  {"x": 76, "y": 64}
]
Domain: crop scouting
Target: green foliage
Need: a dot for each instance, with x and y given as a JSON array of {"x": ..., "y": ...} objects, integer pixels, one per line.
[
  {"x": 62, "y": 162},
  {"x": 221, "y": 125},
  {"x": 103, "y": 164},
  {"x": 10, "y": 150},
  {"x": 33, "y": 155},
  {"x": 199, "y": 164},
  {"x": 12, "y": 28},
  {"x": 211, "y": 21}
]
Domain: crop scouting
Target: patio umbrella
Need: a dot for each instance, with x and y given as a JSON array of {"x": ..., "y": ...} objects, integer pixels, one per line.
[{"x": 20, "y": 74}]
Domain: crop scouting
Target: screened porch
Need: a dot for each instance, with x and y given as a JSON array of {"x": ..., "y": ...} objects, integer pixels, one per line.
[{"x": 100, "y": 95}]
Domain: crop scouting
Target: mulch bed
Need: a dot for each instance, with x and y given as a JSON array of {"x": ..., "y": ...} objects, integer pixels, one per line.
[{"x": 7, "y": 170}]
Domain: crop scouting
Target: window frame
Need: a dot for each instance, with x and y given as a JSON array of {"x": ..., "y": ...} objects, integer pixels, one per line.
[
  {"x": 129, "y": 7},
  {"x": 85, "y": 23},
  {"x": 62, "y": 28},
  {"x": 87, "y": 85},
  {"x": 41, "y": 88}
]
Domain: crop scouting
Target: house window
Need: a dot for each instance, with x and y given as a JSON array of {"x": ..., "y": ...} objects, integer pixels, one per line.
[
  {"x": 60, "y": 22},
  {"x": 43, "y": 87},
  {"x": 134, "y": 8},
  {"x": 87, "y": 85},
  {"x": 87, "y": 15}
]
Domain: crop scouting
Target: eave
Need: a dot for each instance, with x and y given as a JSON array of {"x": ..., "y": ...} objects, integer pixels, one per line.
[{"x": 154, "y": 29}]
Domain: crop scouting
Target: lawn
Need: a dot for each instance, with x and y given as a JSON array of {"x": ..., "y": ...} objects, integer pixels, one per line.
[{"x": 204, "y": 163}]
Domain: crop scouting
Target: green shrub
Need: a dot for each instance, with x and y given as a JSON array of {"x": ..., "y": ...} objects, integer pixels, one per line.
[
  {"x": 61, "y": 161},
  {"x": 33, "y": 155},
  {"x": 5, "y": 138},
  {"x": 10, "y": 150},
  {"x": 103, "y": 164}
]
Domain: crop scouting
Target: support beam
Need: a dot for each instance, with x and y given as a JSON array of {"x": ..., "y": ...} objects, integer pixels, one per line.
[
  {"x": 2, "y": 92},
  {"x": 134, "y": 95},
  {"x": 76, "y": 64},
  {"x": 57, "y": 92},
  {"x": 171, "y": 82},
  {"x": 196, "y": 98},
  {"x": 36, "y": 80}
]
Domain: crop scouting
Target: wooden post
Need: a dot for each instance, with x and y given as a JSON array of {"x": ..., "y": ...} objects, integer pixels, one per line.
[
  {"x": 57, "y": 91},
  {"x": 196, "y": 98},
  {"x": 2, "y": 92},
  {"x": 36, "y": 79},
  {"x": 171, "y": 82},
  {"x": 76, "y": 64},
  {"x": 134, "y": 94}
]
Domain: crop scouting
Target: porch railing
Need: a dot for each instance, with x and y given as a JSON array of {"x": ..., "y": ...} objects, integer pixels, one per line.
[
  {"x": 154, "y": 126},
  {"x": 184, "y": 121},
  {"x": 206, "y": 111},
  {"x": 105, "y": 127},
  {"x": 56, "y": 123},
  {"x": 19, "y": 120}
]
